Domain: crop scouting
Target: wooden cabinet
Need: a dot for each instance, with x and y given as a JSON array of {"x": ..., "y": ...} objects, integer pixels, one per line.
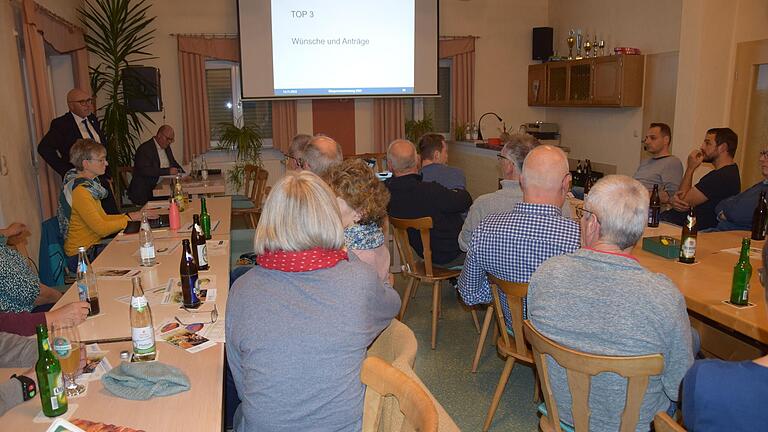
[
  {"x": 609, "y": 81},
  {"x": 537, "y": 85}
]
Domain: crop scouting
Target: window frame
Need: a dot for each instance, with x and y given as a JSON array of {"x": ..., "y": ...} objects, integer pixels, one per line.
[
  {"x": 237, "y": 100},
  {"x": 418, "y": 102}
]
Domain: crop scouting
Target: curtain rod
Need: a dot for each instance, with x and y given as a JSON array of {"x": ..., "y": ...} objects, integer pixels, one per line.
[{"x": 213, "y": 35}]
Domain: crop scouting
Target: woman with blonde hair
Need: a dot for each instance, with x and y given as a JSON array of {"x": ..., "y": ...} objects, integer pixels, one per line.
[
  {"x": 299, "y": 323},
  {"x": 362, "y": 200}
]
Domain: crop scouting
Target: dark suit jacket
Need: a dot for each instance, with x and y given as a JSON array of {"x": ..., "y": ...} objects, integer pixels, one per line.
[
  {"x": 55, "y": 145},
  {"x": 146, "y": 171},
  {"x": 413, "y": 198}
]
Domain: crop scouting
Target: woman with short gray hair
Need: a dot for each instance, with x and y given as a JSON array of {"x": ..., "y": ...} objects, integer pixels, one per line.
[{"x": 298, "y": 325}]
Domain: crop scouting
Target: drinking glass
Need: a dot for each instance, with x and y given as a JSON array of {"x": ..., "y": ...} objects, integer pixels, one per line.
[{"x": 66, "y": 347}]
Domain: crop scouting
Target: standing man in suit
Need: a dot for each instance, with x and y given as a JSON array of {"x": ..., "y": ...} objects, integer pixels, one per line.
[
  {"x": 153, "y": 159},
  {"x": 78, "y": 122}
]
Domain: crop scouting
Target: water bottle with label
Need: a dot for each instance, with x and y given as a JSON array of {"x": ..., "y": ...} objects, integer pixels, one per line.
[
  {"x": 146, "y": 242},
  {"x": 142, "y": 330},
  {"x": 87, "y": 287}
]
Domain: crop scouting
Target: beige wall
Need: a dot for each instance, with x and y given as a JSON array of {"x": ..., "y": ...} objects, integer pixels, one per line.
[{"x": 611, "y": 135}]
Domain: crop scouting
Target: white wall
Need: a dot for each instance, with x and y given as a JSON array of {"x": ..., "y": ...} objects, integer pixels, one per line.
[{"x": 612, "y": 135}]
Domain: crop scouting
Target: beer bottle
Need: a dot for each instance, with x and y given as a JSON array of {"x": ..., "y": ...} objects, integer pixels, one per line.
[
  {"x": 188, "y": 273},
  {"x": 146, "y": 242},
  {"x": 205, "y": 219},
  {"x": 50, "y": 382},
  {"x": 587, "y": 179},
  {"x": 87, "y": 288},
  {"x": 688, "y": 239},
  {"x": 198, "y": 244},
  {"x": 742, "y": 272},
  {"x": 654, "y": 209},
  {"x": 759, "y": 218},
  {"x": 142, "y": 330}
]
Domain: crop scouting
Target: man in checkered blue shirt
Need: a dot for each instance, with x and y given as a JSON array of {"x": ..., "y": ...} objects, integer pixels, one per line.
[{"x": 511, "y": 245}]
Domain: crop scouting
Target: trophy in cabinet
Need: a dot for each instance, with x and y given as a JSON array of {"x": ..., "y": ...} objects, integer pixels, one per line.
[
  {"x": 594, "y": 46},
  {"x": 571, "y": 41},
  {"x": 587, "y": 47},
  {"x": 601, "y": 45},
  {"x": 578, "y": 43}
]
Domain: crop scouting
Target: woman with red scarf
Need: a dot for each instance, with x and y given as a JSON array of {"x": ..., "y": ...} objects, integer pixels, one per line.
[{"x": 298, "y": 324}]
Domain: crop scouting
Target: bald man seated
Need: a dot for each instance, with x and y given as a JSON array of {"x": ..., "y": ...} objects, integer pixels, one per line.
[
  {"x": 153, "y": 159},
  {"x": 512, "y": 244},
  {"x": 320, "y": 155},
  {"x": 79, "y": 122},
  {"x": 412, "y": 198}
]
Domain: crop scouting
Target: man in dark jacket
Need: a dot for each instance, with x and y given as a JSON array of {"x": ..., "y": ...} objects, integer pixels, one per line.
[
  {"x": 79, "y": 122},
  {"x": 412, "y": 198},
  {"x": 153, "y": 159}
]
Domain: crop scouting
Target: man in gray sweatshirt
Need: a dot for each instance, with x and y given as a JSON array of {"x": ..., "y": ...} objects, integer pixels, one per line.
[{"x": 600, "y": 300}]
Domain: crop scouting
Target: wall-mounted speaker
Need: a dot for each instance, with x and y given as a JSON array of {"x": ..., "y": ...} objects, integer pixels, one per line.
[
  {"x": 141, "y": 88},
  {"x": 542, "y": 43}
]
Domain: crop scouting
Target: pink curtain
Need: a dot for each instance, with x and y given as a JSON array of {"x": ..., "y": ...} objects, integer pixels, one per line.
[
  {"x": 462, "y": 52},
  {"x": 283, "y": 124},
  {"x": 40, "y": 27},
  {"x": 193, "y": 51},
  {"x": 388, "y": 123}
]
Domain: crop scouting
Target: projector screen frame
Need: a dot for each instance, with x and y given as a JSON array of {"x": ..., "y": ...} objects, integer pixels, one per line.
[{"x": 345, "y": 97}]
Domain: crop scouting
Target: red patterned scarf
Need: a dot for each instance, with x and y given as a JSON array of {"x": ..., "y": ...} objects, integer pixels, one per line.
[{"x": 308, "y": 260}]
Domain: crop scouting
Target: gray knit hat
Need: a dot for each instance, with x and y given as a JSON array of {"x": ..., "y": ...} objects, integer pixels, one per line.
[{"x": 142, "y": 381}]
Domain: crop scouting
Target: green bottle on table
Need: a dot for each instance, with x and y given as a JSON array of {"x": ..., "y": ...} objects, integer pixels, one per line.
[
  {"x": 742, "y": 273},
  {"x": 205, "y": 219},
  {"x": 50, "y": 382}
]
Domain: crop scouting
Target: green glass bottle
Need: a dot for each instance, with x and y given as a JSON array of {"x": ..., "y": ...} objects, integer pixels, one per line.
[
  {"x": 50, "y": 382},
  {"x": 742, "y": 272},
  {"x": 205, "y": 219}
]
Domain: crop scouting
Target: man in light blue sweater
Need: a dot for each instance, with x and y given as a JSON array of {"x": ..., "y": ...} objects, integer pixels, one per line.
[{"x": 600, "y": 300}]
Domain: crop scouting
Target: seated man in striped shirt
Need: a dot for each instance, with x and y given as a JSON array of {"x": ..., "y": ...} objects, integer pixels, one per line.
[{"x": 511, "y": 245}]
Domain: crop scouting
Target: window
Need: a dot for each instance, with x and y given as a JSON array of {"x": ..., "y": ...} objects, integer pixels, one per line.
[
  {"x": 438, "y": 108},
  {"x": 222, "y": 81}
]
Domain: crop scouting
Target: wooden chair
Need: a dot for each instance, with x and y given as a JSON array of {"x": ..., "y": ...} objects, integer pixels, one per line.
[
  {"x": 489, "y": 315},
  {"x": 580, "y": 368},
  {"x": 421, "y": 271},
  {"x": 664, "y": 423},
  {"x": 385, "y": 379},
  {"x": 511, "y": 346},
  {"x": 380, "y": 158},
  {"x": 255, "y": 181}
]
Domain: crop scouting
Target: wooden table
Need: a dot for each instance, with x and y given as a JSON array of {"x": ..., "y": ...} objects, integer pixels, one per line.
[
  {"x": 708, "y": 282},
  {"x": 197, "y": 409},
  {"x": 214, "y": 185}
]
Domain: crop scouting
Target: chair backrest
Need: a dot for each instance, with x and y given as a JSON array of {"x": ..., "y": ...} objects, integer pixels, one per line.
[
  {"x": 125, "y": 172},
  {"x": 249, "y": 179},
  {"x": 380, "y": 158},
  {"x": 53, "y": 264},
  {"x": 400, "y": 229},
  {"x": 415, "y": 404},
  {"x": 664, "y": 423},
  {"x": 580, "y": 368},
  {"x": 259, "y": 189},
  {"x": 515, "y": 293}
]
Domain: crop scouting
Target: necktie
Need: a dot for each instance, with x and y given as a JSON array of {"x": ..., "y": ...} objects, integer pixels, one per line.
[{"x": 90, "y": 134}]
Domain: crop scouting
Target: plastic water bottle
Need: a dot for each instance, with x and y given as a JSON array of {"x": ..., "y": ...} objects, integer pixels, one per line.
[
  {"x": 87, "y": 288},
  {"x": 146, "y": 242},
  {"x": 174, "y": 218}
]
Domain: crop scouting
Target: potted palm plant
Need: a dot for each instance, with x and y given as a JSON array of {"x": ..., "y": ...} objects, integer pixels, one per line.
[
  {"x": 119, "y": 35},
  {"x": 246, "y": 140}
]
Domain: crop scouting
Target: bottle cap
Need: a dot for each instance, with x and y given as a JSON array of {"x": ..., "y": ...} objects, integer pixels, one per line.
[
  {"x": 125, "y": 355},
  {"x": 81, "y": 249}
]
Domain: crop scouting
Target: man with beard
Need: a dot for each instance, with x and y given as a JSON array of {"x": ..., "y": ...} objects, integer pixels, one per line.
[{"x": 718, "y": 148}]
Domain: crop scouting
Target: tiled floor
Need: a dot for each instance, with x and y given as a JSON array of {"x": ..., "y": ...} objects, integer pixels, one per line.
[{"x": 446, "y": 370}]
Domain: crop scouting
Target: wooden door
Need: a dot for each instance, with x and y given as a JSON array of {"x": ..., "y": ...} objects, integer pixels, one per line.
[
  {"x": 607, "y": 80},
  {"x": 557, "y": 83},
  {"x": 580, "y": 82},
  {"x": 537, "y": 84}
]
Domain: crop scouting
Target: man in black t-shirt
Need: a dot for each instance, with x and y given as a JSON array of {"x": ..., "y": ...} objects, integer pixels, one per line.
[{"x": 718, "y": 148}]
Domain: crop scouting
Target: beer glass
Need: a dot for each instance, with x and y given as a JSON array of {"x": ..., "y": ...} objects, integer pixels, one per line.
[{"x": 66, "y": 347}]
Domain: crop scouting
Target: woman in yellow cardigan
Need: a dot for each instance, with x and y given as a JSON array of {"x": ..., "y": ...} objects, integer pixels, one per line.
[{"x": 81, "y": 217}]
